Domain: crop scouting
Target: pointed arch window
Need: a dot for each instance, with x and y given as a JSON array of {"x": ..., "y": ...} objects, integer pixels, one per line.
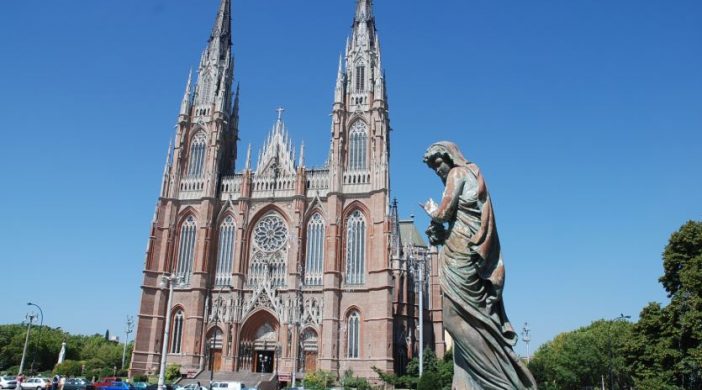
[
  {"x": 196, "y": 162},
  {"x": 354, "y": 330},
  {"x": 360, "y": 78},
  {"x": 355, "y": 249},
  {"x": 186, "y": 250},
  {"x": 269, "y": 252},
  {"x": 177, "y": 332},
  {"x": 314, "y": 251},
  {"x": 358, "y": 141},
  {"x": 225, "y": 253}
]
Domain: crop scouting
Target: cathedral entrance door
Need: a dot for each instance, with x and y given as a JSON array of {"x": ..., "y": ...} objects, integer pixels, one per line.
[
  {"x": 264, "y": 361},
  {"x": 310, "y": 361},
  {"x": 216, "y": 360}
]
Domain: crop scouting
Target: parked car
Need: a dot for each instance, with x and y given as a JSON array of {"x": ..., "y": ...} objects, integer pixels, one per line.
[
  {"x": 106, "y": 381},
  {"x": 155, "y": 387},
  {"x": 77, "y": 384},
  {"x": 8, "y": 382},
  {"x": 36, "y": 383},
  {"x": 228, "y": 386},
  {"x": 139, "y": 385},
  {"x": 118, "y": 385}
]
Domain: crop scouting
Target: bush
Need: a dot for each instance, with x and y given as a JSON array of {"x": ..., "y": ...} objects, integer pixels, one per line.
[
  {"x": 319, "y": 380},
  {"x": 140, "y": 378},
  {"x": 172, "y": 372},
  {"x": 353, "y": 382},
  {"x": 69, "y": 368},
  {"x": 428, "y": 381}
]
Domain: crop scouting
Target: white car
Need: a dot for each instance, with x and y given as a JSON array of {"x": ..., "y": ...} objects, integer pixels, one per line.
[
  {"x": 8, "y": 382},
  {"x": 36, "y": 384}
]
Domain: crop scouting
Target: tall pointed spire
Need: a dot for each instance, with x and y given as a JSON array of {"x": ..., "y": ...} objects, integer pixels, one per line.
[
  {"x": 340, "y": 77},
  {"x": 187, "y": 96},
  {"x": 364, "y": 10},
  {"x": 222, "y": 26},
  {"x": 301, "y": 164},
  {"x": 248, "y": 158}
]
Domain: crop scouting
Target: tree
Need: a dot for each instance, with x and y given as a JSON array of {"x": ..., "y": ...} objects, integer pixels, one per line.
[
  {"x": 581, "y": 358},
  {"x": 665, "y": 350}
]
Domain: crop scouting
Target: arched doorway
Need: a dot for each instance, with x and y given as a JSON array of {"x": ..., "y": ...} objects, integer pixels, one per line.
[
  {"x": 309, "y": 345},
  {"x": 258, "y": 343},
  {"x": 214, "y": 349}
]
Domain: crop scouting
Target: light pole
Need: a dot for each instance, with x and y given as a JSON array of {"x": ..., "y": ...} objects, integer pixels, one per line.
[
  {"x": 166, "y": 281},
  {"x": 526, "y": 338},
  {"x": 416, "y": 262},
  {"x": 621, "y": 317},
  {"x": 130, "y": 329},
  {"x": 41, "y": 323},
  {"x": 215, "y": 315},
  {"x": 31, "y": 318}
]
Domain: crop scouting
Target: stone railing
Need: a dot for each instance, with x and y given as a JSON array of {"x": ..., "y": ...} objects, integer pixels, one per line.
[
  {"x": 269, "y": 186},
  {"x": 317, "y": 182},
  {"x": 231, "y": 187},
  {"x": 191, "y": 187},
  {"x": 357, "y": 181}
]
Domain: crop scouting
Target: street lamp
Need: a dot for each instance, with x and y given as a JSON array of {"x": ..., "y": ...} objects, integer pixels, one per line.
[
  {"x": 526, "y": 338},
  {"x": 41, "y": 323},
  {"x": 31, "y": 318},
  {"x": 215, "y": 315},
  {"x": 621, "y": 317},
  {"x": 130, "y": 329},
  {"x": 416, "y": 261},
  {"x": 166, "y": 281}
]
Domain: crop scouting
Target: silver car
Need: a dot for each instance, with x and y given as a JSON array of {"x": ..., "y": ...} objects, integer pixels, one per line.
[
  {"x": 36, "y": 384},
  {"x": 8, "y": 382}
]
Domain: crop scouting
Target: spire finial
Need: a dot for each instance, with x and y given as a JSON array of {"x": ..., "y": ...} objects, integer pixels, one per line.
[
  {"x": 280, "y": 113},
  {"x": 302, "y": 154},
  {"x": 248, "y": 157}
]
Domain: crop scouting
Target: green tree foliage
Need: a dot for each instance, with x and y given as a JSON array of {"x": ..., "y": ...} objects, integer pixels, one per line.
[
  {"x": 99, "y": 356},
  {"x": 349, "y": 381},
  {"x": 581, "y": 358},
  {"x": 318, "y": 380},
  {"x": 665, "y": 350},
  {"x": 172, "y": 372},
  {"x": 69, "y": 368},
  {"x": 439, "y": 372}
]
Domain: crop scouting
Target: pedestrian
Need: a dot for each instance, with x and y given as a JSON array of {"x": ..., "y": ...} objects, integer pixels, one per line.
[{"x": 55, "y": 382}]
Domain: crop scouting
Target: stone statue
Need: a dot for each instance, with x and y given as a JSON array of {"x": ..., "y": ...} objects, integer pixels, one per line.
[{"x": 472, "y": 276}]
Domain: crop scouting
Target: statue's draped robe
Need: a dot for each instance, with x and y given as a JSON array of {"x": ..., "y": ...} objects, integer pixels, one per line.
[{"x": 472, "y": 277}]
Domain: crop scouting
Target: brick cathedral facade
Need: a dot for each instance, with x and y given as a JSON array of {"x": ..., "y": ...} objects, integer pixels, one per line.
[{"x": 281, "y": 267}]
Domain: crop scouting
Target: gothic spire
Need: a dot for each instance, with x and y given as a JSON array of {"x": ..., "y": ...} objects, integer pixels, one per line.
[
  {"x": 222, "y": 27},
  {"x": 364, "y": 11},
  {"x": 187, "y": 96}
]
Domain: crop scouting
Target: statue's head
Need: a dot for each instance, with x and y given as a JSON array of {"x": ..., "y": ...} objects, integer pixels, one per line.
[{"x": 442, "y": 156}]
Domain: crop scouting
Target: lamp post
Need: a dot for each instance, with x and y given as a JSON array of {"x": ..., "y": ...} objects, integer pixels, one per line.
[
  {"x": 31, "y": 318},
  {"x": 41, "y": 323},
  {"x": 621, "y": 317},
  {"x": 130, "y": 329},
  {"x": 166, "y": 281},
  {"x": 215, "y": 316},
  {"x": 416, "y": 261},
  {"x": 526, "y": 338}
]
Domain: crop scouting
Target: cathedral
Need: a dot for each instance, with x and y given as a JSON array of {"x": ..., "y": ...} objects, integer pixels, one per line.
[{"x": 282, "y": 268}]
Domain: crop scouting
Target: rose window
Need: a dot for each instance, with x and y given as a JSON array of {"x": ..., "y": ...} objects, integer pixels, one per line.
[
  {"x": 270, "y": 234},
  {"x": 269, "y": 252}
]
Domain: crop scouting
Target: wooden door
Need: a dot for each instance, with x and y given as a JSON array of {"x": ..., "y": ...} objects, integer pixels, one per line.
[
  {"x": 216, "y": 360},
  {"x": 310, "y": 361}
]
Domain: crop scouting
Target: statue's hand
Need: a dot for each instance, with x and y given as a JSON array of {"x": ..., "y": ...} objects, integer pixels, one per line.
[
  {"x": 430, "y": 206},
  {"x": 436, "y": 233}
]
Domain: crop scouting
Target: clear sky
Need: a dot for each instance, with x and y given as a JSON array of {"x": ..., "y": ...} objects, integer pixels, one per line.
[{"x": 585, "y": 117}]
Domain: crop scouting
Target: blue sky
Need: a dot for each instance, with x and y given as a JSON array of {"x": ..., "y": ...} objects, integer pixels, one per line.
[{"x": 585, "y": 117}]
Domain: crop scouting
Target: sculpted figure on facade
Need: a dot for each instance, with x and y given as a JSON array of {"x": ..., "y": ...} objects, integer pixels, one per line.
[{"x": 472, "y": 275}]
